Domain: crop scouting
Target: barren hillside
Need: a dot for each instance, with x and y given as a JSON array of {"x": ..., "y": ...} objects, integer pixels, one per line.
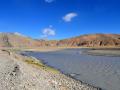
[{"x": 93, "y": 40}]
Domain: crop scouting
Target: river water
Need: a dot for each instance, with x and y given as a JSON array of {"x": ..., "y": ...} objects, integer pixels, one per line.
[{"x": 99, "y": 71}]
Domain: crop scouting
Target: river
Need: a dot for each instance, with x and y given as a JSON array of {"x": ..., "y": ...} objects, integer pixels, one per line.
[{"x": 99, "y": 71}]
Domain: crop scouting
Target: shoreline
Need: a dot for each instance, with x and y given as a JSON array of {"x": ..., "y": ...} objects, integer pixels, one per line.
[
  {"x": 65, "y": 65},
  {"x": 53, "y": 68},
  {"x": 103, "y": 52},
  {"x": 66, "y": 82},
  {"x": 67, "y": 75}
]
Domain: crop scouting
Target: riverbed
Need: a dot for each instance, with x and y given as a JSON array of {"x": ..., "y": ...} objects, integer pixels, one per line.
[{"x": 100, "y": 71}]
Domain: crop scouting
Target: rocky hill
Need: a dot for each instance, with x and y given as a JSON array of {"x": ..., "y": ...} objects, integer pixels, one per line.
[
  {"x": 93, "y": 40},
  {"x": 16, "y": 40}
]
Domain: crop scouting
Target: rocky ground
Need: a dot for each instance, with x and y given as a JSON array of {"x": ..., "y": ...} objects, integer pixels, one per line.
[{"x": 16, "y": 74}]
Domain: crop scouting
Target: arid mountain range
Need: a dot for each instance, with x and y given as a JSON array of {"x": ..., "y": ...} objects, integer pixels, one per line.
[{"x": 90, "y": 40}]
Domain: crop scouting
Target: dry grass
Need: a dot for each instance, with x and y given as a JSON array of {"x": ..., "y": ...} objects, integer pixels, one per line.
[
  {"x": 42, "y": 66},
  {"x": 32, "y": 61}
]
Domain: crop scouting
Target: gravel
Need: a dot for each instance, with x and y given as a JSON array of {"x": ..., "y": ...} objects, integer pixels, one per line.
[{"x": 15, "y": 74}]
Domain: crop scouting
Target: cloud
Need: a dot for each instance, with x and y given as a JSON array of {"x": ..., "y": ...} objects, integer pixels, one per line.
[
  {"x": 19, "y": 34},
  {"x": 49, "y": 31},
  {"x": 49, "y": 1},
  {"x": 68, "y": 17}
]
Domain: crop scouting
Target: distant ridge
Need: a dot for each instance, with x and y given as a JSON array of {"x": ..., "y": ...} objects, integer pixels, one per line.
[
  {"x": 15, "y": 40},
  {"x": 90, "y": 40}
]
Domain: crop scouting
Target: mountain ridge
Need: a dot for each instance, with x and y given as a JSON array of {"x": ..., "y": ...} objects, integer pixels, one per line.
[{"x": 88, "y": 40}]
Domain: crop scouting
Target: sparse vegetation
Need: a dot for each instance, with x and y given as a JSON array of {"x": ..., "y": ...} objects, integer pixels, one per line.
[
  {"x": 41, "y": 65},
  {"x": 6, "y": 41}
]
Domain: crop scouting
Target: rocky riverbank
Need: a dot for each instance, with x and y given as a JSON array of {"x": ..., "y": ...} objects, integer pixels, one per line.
[{"x": 19, "y": 72}]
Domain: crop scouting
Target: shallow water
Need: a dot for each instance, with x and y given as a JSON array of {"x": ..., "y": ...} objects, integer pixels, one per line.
[{"x": 100, "y": 71}]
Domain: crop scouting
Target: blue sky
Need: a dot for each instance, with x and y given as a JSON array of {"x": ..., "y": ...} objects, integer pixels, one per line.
[{"x": 58, "y": 19}]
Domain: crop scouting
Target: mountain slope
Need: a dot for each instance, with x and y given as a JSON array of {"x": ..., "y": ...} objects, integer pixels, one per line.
[
  {"x": 93, "y": 40},
  {"x": 14, "y": 40}
]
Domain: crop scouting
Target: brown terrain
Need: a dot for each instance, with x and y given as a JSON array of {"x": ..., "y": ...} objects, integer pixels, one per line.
[{"x": 92, "y": 40}]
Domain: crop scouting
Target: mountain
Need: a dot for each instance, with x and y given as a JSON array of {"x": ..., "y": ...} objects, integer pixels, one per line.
[
  {"x": 15, "y": 40},
  {"x": 19, "y": 40},
  {"x": 92, "y": 40}
]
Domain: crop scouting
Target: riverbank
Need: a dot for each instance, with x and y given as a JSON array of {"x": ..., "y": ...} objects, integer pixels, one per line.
[
  {"x": 46, "y": 49},
  {"x": 104, "y": 52},
  {"x": 97, "y": 70},
  {"x": 25, "y": 73}
]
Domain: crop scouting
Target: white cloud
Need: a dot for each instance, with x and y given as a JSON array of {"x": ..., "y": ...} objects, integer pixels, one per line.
[
  {"x": 48, "y": 32},
  {"x": 49, "y": 1},
  {"x": 68, "y": 17},
  {"x": 19, "y": 34}
]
